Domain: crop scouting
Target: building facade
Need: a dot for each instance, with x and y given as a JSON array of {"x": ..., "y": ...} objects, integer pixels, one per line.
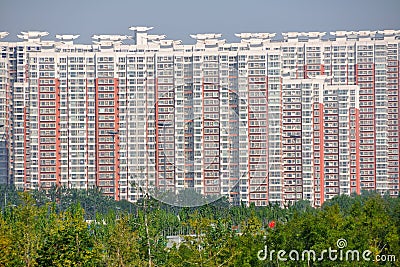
[{"x": 267, "y": 119}]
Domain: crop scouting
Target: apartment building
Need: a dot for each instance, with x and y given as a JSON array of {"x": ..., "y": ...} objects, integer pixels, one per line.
[{"x": 266, "y": 119}]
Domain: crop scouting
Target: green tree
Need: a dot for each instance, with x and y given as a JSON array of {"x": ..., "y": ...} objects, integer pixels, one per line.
[
  {"x": 68, "y": 242},
  {"x": 26, "y": 223},
  {"x": 117, "y": 241},
  {"x": 7, "y": 252},
  {"x": 211, "y": 243}
]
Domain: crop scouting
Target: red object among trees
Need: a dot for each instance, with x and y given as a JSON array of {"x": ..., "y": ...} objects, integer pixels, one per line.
[{"x": 271, "y": 224}]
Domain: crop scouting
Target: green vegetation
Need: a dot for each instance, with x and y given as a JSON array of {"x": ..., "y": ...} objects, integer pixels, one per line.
[{"x": 83, "y": 228}]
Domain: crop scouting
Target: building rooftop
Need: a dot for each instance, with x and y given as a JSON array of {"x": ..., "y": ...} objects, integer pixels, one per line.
[{"x": 142, "y": 41}]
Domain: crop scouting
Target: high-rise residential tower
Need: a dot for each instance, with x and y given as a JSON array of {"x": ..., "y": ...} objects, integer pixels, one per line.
[{"x": 266, "y": 119}]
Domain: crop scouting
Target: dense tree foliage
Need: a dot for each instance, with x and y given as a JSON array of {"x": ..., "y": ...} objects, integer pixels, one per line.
[{"x": 66, "y": 227}]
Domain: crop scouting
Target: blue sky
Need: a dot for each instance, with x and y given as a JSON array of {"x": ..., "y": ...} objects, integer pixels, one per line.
[{"x": 178, "y": 18}]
